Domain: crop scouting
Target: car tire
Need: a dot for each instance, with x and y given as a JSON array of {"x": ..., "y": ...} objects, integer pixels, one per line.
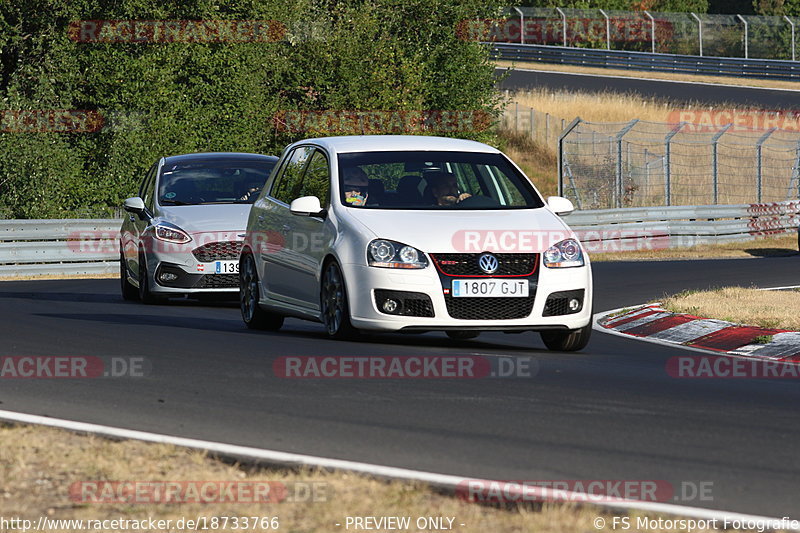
[
  {"x": 129, "y": 291},
  {"x": 145, "y": 294},
  {"x": 253, "y": 316},
  {"x": 334, "y": 311},
  {"x": 567, "y": 341},
  {"x": 462, "y": 335}
]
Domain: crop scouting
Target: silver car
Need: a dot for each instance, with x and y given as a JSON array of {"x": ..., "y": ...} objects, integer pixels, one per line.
[{"x": 184, "y": 230}]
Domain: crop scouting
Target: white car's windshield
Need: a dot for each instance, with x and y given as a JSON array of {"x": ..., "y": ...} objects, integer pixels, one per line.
[{"x": 433, "y": 180}]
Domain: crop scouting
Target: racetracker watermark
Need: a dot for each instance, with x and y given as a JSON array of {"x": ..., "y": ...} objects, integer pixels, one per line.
[
  {"x": 73, "y": 367},
  {"x": 177, "y": 492},
  {"x": 537, "y": 241},
  {"x": 726, "y": 367},
  {"x": 712, "y": 120},
  {"x": 346, "y": 122},
  {"x": 582, "y": 490},
  {"x": 405, "y": 367},
  {"x": 544, "y": 31},
  {"x": 50, "y": 121},
  {"x": 176, "y": 31}
]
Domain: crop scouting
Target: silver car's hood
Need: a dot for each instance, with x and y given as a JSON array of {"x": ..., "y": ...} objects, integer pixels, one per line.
[{"x": 207, "y": 218}]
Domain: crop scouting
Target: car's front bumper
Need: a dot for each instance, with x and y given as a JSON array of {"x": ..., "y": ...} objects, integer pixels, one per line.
[{"x": 363, "y": 281}]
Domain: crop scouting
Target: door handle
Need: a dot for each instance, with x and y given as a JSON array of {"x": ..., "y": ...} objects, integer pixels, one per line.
[
  {"x": 286, "y": 229},
  {"x": 132, "y": 218},
  {"x": 261, "y": 218}
]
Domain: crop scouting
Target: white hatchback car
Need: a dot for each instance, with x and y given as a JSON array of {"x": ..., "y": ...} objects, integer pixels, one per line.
[{"x": 412, "y": 234}]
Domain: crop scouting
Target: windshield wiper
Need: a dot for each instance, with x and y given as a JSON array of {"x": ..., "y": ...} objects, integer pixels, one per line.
[{"x": 173, "y": 202}]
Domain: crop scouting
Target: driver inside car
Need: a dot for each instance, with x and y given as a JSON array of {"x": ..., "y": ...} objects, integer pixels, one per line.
[{"x": 444, "y": 187}]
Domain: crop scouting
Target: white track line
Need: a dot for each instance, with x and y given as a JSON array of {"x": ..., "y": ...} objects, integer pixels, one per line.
[
  {"x": 711, "y": 84},
  {"x": 293, "y": 459}
]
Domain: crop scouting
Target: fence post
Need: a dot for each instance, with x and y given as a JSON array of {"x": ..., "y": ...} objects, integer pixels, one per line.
[
  {"x": 667, "y": 175},
  {"x": 714, "y": 159},
  {"x": 646, "y": 170},
  {"x": 546, "y": 127},
  {"x": 745, "y": 34},
  {"x": 564, "y": 21},
  {"x": 516, "y": 117},
  {"x": 620, "y": 135},
  {"x": 572, "y": 125},
  {"x": 521, "y": 25},
  {"x": 792, "y": 25},
  {"x": 699, "y": 31},
  {"x": 608, "y": 29},
  {"x": 652, "y": 31},
  {"x": 759, "y": 171}
]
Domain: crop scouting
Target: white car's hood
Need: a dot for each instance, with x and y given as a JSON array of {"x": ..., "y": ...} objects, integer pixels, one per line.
[
  {"x": 219, "y": 219},
  {"x": 499, "y": 231}
]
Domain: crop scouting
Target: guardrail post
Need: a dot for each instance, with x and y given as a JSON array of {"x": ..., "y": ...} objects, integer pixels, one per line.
[
  {"x": 619, "y": 186},
  {"x": 652, "y": 31},
  {"x": 608, "y": 29},
  {"x": 521, "y": 25},
  {"x": 699, "y": 31},
  {"x": 759, "y": 172},
  {"x": 745, "y": 34},
  {"x": 667, "y": 175},
  {"x": 572, "y": 125},
  {"x": 563, "y": 21},
  {"x": 714, "y": 165},
  {"x": 792, "y": 25}
]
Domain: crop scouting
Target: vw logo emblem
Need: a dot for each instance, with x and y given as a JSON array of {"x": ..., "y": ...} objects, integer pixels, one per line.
[{"x": 488, "y": 263}]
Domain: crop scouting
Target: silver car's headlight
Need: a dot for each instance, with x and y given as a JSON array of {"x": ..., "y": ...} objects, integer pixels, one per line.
[
  {"x": 390, "y": 254},
  {"x": 566, "y": 253},
  {"x": 170, "y": 233}
]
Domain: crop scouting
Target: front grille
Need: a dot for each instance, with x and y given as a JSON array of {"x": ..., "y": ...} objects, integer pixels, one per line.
[
  {"x": 218, "y": 251},
  {"x": 411, "y": 303},
  {"x": 489, "y": 308},
  {"x": 558, "y": 303},
  {"x": 467, "y": 264},
  {"x": 218, "y": 281}
]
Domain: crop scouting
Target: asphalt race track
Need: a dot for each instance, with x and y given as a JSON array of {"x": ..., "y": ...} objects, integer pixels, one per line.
[
  {"x": 610, "y": 412},
  {"x": 665, "y": 90}
]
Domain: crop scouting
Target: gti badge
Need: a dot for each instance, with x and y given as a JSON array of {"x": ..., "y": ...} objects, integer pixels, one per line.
[{"x": 488, "y": 263}]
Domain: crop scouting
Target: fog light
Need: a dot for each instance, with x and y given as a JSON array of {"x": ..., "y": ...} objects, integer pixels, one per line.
[
  {"x": 390, "y": 306},
  {"x": 574, "y": 304},
  {"x": 167, "y": 276}
]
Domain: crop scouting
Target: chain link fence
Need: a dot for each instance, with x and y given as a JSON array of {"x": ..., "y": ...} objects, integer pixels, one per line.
[
  {"x": 541, "y": 127},
  {"x": 749, "y": 36},
  {"x": 644, "y": 164}
]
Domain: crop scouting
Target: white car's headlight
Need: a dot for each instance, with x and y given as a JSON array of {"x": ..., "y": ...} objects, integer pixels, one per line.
[
  {"x": 171, "y": 233},
  {"x": 566, "y": 253},
  {"x": 391, "y": 254}
]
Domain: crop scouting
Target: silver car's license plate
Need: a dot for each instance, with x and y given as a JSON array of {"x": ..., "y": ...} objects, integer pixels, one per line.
[
  {"x": 489, "y": 288},
  {"x": 226, "y": 267}
]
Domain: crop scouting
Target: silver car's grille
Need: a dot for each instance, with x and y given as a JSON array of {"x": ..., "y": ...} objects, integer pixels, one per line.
[{"x": 218, "y": 251}]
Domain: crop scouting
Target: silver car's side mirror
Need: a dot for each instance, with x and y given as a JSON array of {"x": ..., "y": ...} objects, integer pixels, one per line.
[
  {"x": 560, "y": 205},
  {"x": 307, "y": 206},
  {"x": 136, "y": 206}
]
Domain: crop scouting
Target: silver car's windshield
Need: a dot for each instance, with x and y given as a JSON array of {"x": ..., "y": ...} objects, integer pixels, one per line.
[
  {"x": 433, "y": 180},
  {"x": 212, "y": 182}
]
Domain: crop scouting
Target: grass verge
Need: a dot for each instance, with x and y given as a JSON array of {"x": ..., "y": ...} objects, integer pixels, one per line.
[
  {"x": 38, "y": 465},
  {"x": 767, "y": 309},
  {"x": 114, "y": 275},
  {"x": 783, "y": 246}
]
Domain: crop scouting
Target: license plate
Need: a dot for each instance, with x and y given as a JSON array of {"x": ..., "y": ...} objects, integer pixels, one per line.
[
  {"x": 226, "y": 267},
  {"x": 489, "y": 288}
]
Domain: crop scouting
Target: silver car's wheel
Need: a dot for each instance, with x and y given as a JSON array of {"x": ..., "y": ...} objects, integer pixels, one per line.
[
  {"x": 254, "y": 317},
  {"x": 333, "y": 303},
  {"x": 145, "y": 294},
  {"x": 129, "y": 292}
]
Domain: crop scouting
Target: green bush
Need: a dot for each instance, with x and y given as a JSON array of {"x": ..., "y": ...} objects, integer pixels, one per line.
[{"x": 167, "y": 98}]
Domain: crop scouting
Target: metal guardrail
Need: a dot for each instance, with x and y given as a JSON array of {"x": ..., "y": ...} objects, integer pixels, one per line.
[
  {"x": 586, "y": 57},
  {"x": 87, "y": 247},
  {"x": 679, "y": 226},
  {"x": 59, "y": 247}
]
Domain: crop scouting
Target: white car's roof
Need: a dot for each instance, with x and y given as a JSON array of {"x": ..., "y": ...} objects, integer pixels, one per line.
[{"x": 386, "y": 143}]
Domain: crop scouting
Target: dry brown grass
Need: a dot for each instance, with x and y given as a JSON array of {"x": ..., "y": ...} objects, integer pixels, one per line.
[
  {"x": 37, "y": 466},
  {"x": 536, "y": 159},
  {"x": 768, "y": 309},
  {"x": 722, "y": 80},
  {"x": 782, "y": 246}
]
